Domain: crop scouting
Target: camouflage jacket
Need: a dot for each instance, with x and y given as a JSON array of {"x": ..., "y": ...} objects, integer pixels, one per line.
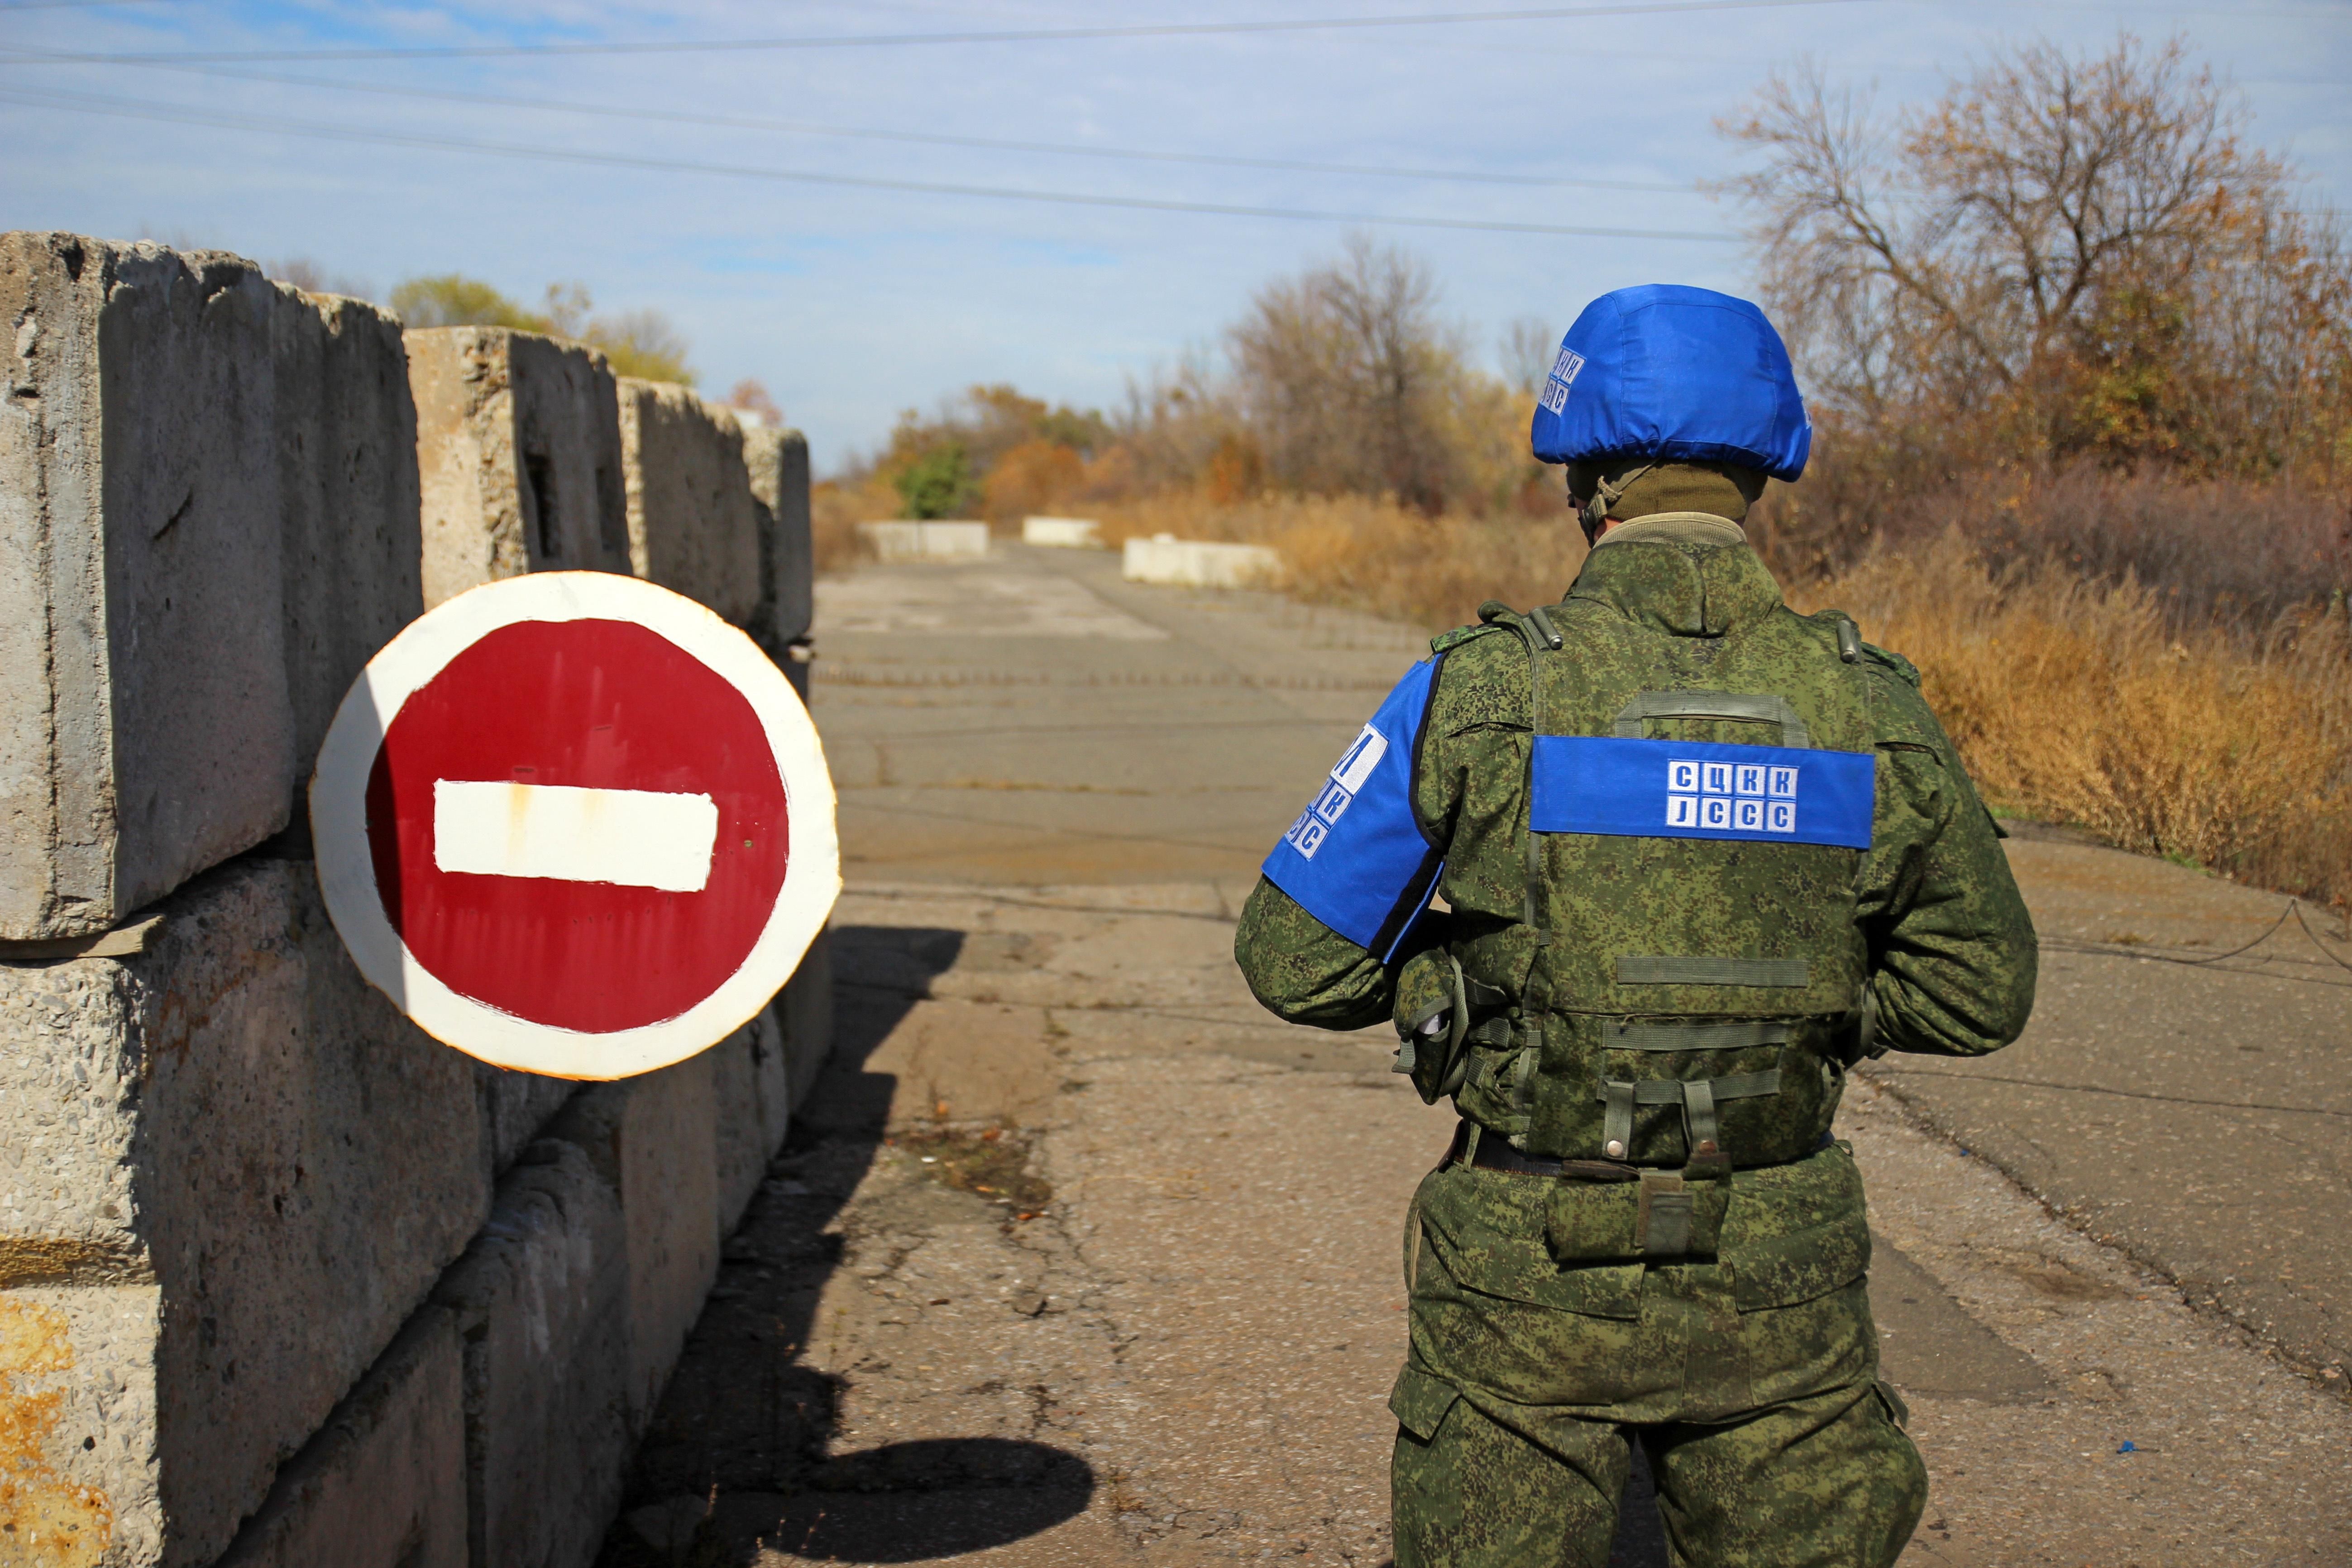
[{"x": 1920, "y": 938}]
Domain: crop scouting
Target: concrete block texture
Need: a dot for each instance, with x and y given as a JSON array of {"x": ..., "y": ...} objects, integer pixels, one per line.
[
  {"x": 778, "y": 461},
  {"x": 515, "y": 1108},
  {"x": 518, "y": 457},
  {"x": 738, "y": 1131},
  {"x": 145, "y": 728},
  {"x": 347, "y": 483},
  {"x": 771, "y": 1082},
  {"x": 655, "y": 1140},
  {"x": 804, "y": 1011},
  {"x": 234, "y": 1120},
  {"x": 77, "y": 1460},
  {"x": 542, "y": 1302},
  {"x": 693, "y": 525},
  {"x": 383, "y": 1484}
]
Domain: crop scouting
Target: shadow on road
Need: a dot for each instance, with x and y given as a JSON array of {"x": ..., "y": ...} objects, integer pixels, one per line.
[{"x": 739, "y": 1450}]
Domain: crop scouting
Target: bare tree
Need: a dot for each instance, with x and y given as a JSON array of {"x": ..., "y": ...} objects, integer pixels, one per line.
[
  {"x": 2071, "y": 256},
  {"x": 1528, "y": 347},
  {"x": 1346, "y": 373}
]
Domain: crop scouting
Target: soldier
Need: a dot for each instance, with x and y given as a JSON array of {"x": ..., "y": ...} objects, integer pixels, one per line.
[{"x": 1698, "y": 855}]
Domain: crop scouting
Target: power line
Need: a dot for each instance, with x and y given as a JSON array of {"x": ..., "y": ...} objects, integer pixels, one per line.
[
  {"x": 93, "y": 103},
  {"x": 891, "y": 40},
  {"x": 1078, "y": 149}
]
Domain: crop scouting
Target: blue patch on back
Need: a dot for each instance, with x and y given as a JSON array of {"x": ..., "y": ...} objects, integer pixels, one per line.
[
  {"x": 1688, "y": 789},
  {"x": 1356, "y": 859}
]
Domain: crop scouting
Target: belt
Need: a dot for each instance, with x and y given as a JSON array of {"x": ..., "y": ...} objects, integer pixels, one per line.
[{"x": 1495, "y": 1154}]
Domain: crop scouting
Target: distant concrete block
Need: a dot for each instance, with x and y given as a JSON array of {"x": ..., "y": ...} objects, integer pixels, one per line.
[
  {"x": 1199, "y": 564},
  {"x": 1062, "y": 533},
  {"x": 383, "y": 1484},
  {"x": 654, "y": 1139},
  {"x": 903, "y": 541},
  {"x": 145, "y": 729},
  {"x": 235, "y": 1121},
  {"x": 693, "y": 525},
  {"x": 518, "y": 457},
  {"x": 779, "y": 465},
  {"x": 543, "y": 1308},
  {"x": 804, "y": 1014},
  {"x": 347, "y": 483}
]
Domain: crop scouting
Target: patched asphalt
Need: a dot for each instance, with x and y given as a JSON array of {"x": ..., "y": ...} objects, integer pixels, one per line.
[{"x": 1165, "y": 1331}]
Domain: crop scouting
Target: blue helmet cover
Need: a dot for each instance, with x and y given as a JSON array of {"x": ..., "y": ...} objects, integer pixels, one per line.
[{"x": 1674, "y": 374}]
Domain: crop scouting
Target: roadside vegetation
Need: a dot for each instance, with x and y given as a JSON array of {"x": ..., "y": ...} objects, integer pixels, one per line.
[
  {"x": 2080, "y": 362},
  {"x": 638, "y": 342}
]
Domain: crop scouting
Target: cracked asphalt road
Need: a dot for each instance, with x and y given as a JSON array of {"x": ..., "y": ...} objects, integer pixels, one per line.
[{"x": 1154, "y": 1318}]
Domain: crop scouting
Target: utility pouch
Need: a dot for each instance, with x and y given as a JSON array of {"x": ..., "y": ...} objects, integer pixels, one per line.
[
  {"x": 1439, "y": 1013},
  {"x": 1663, "y": 1217}
]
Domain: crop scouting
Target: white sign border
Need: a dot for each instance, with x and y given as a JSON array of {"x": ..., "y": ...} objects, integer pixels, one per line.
[{"x": 347, "y": 870}]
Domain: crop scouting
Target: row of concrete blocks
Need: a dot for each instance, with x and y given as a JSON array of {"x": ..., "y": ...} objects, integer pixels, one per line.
[
  {"x": 231, "y": 1174},
  {"x": 219, "y": 496},
  {"x": 248, "y": 1175}
]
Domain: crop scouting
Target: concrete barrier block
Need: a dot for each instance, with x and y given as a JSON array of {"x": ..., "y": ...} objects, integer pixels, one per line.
[
  {"x": 779, "y": 465},
  {"x": 518, "y": 457},
  {"x": 145, "y": 729},
  {"x": 772, "y": 1078},
  {"x": 738, "y": 1136},
  {"x": 383, "y": 1484},
  {"x": 804, "y": 1013},
  {"x": 542, "y": 1302},
  {"x": 655, "y": 1140},
  {"x": 1198, "y": 564},
  {"x": 1062, "y": 533},
  {"x": 79, "y": 1468},
  {"x": 693, "y": 525},
  {"x": 347, "y": 484},
  {"x": 236, "y": 1119},
  {"x": 515, "y": 1108},
  {"x": 904, "y": 540}
]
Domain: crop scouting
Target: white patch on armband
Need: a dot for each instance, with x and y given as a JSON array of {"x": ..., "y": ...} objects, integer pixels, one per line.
[{"x": 1348, "y": 777}]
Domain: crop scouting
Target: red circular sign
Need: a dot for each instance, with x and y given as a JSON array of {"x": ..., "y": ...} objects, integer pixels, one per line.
[
  {"x": 584, "y": 705},
  {"x": 572, "y": 823}
]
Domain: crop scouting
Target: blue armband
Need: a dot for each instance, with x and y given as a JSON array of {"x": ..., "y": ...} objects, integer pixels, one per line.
[{"x": 1355, "y": 859}]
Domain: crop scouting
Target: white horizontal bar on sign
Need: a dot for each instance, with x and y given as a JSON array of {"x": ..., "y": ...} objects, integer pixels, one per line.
[{"x": 630, "y": 837}]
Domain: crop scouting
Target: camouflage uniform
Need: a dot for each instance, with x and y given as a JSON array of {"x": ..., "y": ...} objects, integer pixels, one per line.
[{"x": 1697, "y": 1273}]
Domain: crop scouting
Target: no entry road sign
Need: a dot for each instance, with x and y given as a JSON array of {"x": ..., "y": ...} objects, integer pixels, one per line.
[{"x": 575, "y": 824}]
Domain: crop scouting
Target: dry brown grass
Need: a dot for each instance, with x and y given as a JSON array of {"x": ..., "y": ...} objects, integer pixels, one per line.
[{"x": 2075, "y": 701}]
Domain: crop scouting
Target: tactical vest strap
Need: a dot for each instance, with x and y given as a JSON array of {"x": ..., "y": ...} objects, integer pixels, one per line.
[
  {"x": 1641, "y": 969},
  {"x": 1627, "y": 1035},
  {"x": 1697, "y": 1097},
  {"x": 1768, "y": 709}
]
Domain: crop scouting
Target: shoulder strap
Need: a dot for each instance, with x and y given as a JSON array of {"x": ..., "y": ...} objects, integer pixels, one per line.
[{"x": 1444, "y": 642}]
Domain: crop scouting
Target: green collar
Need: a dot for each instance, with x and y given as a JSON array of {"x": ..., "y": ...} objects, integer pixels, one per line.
[{"x": 1686, "y": 574}]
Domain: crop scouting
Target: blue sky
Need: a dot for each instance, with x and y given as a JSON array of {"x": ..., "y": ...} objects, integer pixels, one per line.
[{"x": 852, "y": 302}]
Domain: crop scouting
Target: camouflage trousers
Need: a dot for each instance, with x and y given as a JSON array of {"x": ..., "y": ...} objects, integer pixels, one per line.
[{"x": 1544, "y": 1342}]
